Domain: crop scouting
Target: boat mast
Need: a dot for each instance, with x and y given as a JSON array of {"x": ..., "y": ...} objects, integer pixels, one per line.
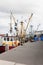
[{"x": 11, "y": 23}]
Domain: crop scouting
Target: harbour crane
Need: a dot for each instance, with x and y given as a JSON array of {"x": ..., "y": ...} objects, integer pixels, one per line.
[
  {"x": 22, "y": 30},
  {"x": 11, "y": 23},
  {"x": 37, "y": 27},
  {"x": 23, "y": 33},
  {"x": 11, "y": 29},
  {"x": 27, "y": 24}
]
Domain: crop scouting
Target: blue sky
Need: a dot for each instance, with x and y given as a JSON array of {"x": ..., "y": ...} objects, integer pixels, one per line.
[{"x": 21, "y": 8}]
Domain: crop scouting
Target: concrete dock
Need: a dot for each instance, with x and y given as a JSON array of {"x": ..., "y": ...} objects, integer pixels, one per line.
[{"x": 30, "y": 53}]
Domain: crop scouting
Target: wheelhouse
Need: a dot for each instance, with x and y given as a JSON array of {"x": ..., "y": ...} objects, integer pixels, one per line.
[{"x": 10, "y": 40}]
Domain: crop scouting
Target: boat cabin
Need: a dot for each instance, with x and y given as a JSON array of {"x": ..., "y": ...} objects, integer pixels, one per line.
[{"x": 10, "y": 40}]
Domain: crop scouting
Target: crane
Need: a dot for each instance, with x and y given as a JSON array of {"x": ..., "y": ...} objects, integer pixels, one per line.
[
  {"x": 11, "y": 23},
  {"x": 12, "y": 17},
  {"x": 23, "y": 32},
  {"x": 28, "y": 24},
  {"x": 37, "y": 27},
  {"x": 15, "y": 25}
]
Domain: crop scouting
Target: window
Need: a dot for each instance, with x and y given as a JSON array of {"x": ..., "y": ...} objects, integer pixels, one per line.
[
  {"x": 11, "y": 39},
  {"x": 5, "y": 38}
]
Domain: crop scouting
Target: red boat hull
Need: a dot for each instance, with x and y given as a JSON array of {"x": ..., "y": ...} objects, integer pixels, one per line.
[{"x": 2, "y": 48}]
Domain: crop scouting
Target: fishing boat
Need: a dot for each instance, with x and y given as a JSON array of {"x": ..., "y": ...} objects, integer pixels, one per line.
[{"x": 9, "y": 41}]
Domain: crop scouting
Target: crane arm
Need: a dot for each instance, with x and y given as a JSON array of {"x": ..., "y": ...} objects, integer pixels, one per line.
[
  {"x": 11, "y": 22},
  {"x": 13, "y": 17},
  {"x": 15, "y": 23},
  {"x": 29, "y": 21},
  {"x": 37, "y": 27}
]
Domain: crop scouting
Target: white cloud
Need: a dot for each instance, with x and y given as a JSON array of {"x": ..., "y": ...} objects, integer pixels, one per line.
[{"x": 19, "y": 8}]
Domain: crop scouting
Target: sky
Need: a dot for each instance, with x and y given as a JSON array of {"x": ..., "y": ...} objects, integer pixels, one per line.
[{"x": 22, "y": 10}]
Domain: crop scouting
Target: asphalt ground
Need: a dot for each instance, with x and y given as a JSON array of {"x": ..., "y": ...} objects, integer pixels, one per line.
[{"x": 30, "y": 53}]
